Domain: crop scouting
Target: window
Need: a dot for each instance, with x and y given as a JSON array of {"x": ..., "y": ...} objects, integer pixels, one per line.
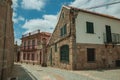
[
  {"x": 90, "y": 27},
  {"x": 24, "y": 56},
  {"x": 29, "y": 44},
  {"x": 24, "y": 44},
  {"x": 90, "y": 54},
  {"x": 32, "y": 56},
  {"x": 64, "y": 53},
  {"x": 63, "y": 30},
  {"x": 108, "y": 34},
  {"x": 55, "y": 47},
  {"x": 28, "y": 56},
  {"x": 33, "y": 43}
]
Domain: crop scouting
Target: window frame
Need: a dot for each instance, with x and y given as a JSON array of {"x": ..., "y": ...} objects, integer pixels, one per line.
[
  {"x": 89, "y": 27},
  {"x": 33, "y": 43},
  {"x": 64, "y": 57},
  {"x": 63, "y": 30},
  {"x": 91, "y": 57},
  {"x": 29, "y": 44}
]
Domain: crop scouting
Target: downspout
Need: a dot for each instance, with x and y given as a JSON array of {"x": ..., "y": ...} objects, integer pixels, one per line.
[{"x": 4, "y": 44}]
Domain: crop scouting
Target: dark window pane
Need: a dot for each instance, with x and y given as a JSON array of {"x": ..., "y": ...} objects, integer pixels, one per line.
[
  {"x": 32, "y": 56},
  {"x": 65, "y": 31},
  {"x": 108, "y": 34},
  {"x": 64, "y": 53},
  {"x": 33, "y": 43},
  {"x": 90, "y": 54},
  {"x": 90, "y": 27}
]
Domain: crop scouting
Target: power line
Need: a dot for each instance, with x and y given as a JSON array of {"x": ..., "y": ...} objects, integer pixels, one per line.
[{"x": 103, "y": 5}]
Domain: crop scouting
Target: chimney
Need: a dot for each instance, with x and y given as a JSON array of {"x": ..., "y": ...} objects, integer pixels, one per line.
[
  {"x": 29, "y": 34},
  {"x": 38, "y": 31}
]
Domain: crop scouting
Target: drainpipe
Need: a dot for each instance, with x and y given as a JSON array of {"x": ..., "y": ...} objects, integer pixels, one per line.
[{"x": 4, "y": 44}]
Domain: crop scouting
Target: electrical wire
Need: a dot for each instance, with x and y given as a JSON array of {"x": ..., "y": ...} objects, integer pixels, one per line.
[{"x": 103, "y": 5}]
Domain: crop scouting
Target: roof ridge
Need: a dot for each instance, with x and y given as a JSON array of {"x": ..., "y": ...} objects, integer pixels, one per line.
[{"x": 92, "y": 12}]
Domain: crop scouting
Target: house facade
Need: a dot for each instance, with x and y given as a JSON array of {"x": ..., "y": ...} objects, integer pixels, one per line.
[
  {"x": 33, "y": 48},
  {"x": 84, "y": 40},
  {"x": 6, "y": 39},
  {"x": 17, "y": 53}
]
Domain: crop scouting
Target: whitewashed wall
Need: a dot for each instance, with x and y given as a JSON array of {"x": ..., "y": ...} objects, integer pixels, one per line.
[{"x": 99, "y": 28}]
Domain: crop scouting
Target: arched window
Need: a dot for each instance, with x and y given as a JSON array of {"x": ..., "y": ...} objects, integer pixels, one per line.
[
  {"x": 44, "y": 40},
  {"x": 64, "y": 53}
]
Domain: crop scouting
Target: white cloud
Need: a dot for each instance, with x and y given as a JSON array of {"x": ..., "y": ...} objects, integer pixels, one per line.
[
  {"x": 48, "y": 23},
  {"x": 15, "y": 4},
  {"x": 16, "y": 19},
  {"x": 33, "y": 4},
  {"x": 110, "y": 10},
  {"x": 14, "y": 14},
  {"x": 18, "y": 41}
]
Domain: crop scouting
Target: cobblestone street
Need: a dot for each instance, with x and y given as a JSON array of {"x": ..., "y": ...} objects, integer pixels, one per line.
[{"x": 35, "y": 72}]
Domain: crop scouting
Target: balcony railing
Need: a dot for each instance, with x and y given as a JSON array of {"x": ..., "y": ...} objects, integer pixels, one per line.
[
  {"x": 115, "y": 38},
  {"x": 33, "y": 47},
  {"x": 32, "y": 33}
]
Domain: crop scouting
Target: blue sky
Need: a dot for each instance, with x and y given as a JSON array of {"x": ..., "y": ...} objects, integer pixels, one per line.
[{"x": 30, "y": 15}]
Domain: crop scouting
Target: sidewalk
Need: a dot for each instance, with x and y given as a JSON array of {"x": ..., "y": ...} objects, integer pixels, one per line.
[
  {"x": 49, "y": 73},
  {"x": 41, "y": 73},
  {"x": 20, "y": 73},
  {"x": 36, "y": 72}
]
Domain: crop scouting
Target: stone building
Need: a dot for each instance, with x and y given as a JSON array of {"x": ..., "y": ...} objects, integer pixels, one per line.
[
  {"x": 33, "y": 48},
  {"x": 17, "y": 53},
  {"x": 84, "y": 39},
  {"x": 6, "y": 39}
]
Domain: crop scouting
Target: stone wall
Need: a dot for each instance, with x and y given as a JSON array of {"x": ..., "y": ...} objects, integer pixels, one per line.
[
  {"x": 105, "y": 56},
  {"x": 68, "y": 39},
  {"x": 56, "y": 55},
  {"x": 6, "y": 39}
]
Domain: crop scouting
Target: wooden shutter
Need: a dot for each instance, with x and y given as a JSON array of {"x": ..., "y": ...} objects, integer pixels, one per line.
[
  {"x": 61, "y": 31},
  {"x": 90, "y": 54},
  {"x": 65, "y": 30},
  {"x": 90, "y": 27},
  {"x": 64, "y": 53},
  {"x": 108, "y": 34}
]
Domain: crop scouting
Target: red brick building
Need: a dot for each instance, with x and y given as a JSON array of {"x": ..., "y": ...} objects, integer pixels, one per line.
[{"x": 33, "y": 49}]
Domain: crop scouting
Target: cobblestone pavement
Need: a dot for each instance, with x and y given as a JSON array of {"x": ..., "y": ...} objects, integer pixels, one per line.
[{"x": 48, "y": 73}]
